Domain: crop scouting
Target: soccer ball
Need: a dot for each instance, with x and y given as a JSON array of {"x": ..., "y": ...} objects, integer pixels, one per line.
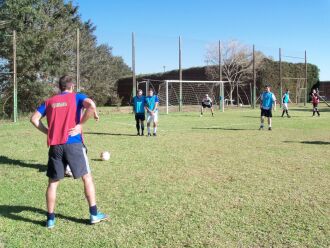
[
  {"x": 105, "y": 156},
  {"x": 241, "y": 105}
]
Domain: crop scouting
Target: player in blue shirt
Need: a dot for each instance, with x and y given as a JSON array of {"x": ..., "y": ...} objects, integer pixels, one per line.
[
  {"x": 151, "y": 106},
  {"x": 285, "y": 101},
  {"x": 138, "y": 110},
  {"x": 267, "y": 102}
]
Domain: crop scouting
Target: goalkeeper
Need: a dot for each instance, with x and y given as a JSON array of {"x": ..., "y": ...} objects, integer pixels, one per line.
[{"x": 207, "y": 103}]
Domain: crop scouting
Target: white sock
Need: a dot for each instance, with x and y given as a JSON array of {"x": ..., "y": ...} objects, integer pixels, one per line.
[
  {"x": 155, "y": 129},
  {"x": 148, "y": 129}
]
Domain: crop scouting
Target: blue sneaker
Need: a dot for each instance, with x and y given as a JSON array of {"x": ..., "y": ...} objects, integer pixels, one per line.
[
  {"x": 97, "y": 218},
  {"x": 50, "y": 224}
]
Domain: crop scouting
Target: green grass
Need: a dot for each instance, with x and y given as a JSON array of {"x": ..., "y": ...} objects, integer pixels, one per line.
[{"x": 203, "y": 182}]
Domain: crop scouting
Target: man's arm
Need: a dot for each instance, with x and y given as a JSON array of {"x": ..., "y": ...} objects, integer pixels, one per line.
[
  {"x": 36, "y": 121},
  {"x": 90, "y": 110}
]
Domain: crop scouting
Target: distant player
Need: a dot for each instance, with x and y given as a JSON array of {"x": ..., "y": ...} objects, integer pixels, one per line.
[
  {"x": 285, "y": 101},
  {"x": 138, "y": 110},
  {"x": 315, "y": 102},
  {"x": 207, "y": 103},
  {"x": 151, "y": 106},
  {"x": 268, "y": 101}
]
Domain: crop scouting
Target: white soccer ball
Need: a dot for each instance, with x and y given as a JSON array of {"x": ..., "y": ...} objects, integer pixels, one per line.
[
  {"x": 105, "y": 156},
  {"x": 241, "y": 105}
]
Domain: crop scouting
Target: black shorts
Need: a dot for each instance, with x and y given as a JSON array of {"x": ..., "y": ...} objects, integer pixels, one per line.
[
  {"x": 74, "y": 155},
  {"x": 140, "y": 116},
  {"x": 266, "y": 112},
  {"x": 206, "y": 105}
]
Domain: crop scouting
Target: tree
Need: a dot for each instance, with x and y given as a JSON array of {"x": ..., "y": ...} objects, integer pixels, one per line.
[{"x": 237, "y": 63}]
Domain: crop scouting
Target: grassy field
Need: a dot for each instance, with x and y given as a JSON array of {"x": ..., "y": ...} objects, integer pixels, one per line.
[{"x": 203, "y": 182}]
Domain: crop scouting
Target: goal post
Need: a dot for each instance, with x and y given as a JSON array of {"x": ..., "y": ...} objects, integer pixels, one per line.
[{"x": 191, "y": 93}]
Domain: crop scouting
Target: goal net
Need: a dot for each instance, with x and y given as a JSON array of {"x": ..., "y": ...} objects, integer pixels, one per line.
[{"x": 185, "y": 95}]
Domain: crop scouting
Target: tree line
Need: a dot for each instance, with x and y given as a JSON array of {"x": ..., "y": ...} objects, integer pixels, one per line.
[{"x": 46, "y": 49}]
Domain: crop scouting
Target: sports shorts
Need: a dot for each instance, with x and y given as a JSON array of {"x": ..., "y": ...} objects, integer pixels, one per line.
[{"x": 74, "y": 155}]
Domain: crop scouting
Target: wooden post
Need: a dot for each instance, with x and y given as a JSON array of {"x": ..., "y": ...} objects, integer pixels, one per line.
[
  {"x": 133, "y": 65},
  {"x": 220, "y": 76},
  {"x": 15, "y": 76},
  {"x": 280, "y": 74},
  {"x": 180, "y": 75},
  {"x": 78, "y": 60},
  {"x": 254, "y": 78},
  {"x": 306, "y": 80}
]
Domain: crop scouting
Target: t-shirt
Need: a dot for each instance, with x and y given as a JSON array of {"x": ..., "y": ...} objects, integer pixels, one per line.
[
  {"x": 151, "y": 102},
  {"x": 207, "y": 100},
  {"x": 286, "y": 98},
  {"x": 267, "y": 99},
  {"x": 138, "y": 103},
  {"x": 42, "y": 109}
]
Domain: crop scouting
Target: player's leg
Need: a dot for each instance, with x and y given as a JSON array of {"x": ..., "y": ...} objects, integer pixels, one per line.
[
  {"x": 155, "y": 117},
  {"x": 262, "y": 119},
  {"x": 202, "y": 109},
  {"x": 269, "y": 115},
  {"x": 51, "y": 201},
  {"x": 55, "y": 172},
  {"x": 137, "y": 124},
  {"x": 317, "y": 110},
  {"x": 212, "y": 110},
  {"x": 149, "y": 119},
  {"x": 76, "y": 154},
  {"x": 314, "y": 109}
]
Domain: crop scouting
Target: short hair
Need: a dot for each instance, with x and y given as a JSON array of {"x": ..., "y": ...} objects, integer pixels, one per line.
[
  {"x": 65, "y": 82},
  {"x": 151, "y": 89},
  {"x": 139, "y": 90}
]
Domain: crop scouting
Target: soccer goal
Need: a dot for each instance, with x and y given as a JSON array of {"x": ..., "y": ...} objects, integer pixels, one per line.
[{"x": 187, "y": 95}]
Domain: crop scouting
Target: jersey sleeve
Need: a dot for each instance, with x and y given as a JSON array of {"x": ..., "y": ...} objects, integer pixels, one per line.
[
  {"x": 156, "y": 99},
  {"x": 80, "y": 100},
  {"x": 42, "y": 109}
]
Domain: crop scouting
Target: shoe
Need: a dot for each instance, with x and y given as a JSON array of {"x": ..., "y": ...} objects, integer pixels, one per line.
[
  {"x": 154, "y": 134},
  {"x": 142, "y": 134},
  {"x": 261, "y": 128},
  {"x": 50, "y": 224},
  {"x": 98, "y": 218},
  {"x": 289, "y": 116},
  {"x": 149, "y": 134},
  {"x": 270, "y": 129},
  {"x": 138, "y": 134}
]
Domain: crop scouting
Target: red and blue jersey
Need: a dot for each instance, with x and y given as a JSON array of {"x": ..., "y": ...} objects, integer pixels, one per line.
[{"x": 63, "y": 112}]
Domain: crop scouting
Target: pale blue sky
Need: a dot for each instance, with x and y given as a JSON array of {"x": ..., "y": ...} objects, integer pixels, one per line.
[{"x": 292, "y": 25}]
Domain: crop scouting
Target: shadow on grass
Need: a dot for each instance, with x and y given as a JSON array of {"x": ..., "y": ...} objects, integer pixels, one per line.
[
  {"x": 316, "y": 142},
  {"x": 14, "y": 213},
  {"x": 111, "y": 134},
  {"x": 222, "y": 128},
  {"x": 6, "y": 160}
]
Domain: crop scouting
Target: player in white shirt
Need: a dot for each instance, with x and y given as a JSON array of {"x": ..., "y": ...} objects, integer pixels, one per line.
[{"x": 207, "y": 103}]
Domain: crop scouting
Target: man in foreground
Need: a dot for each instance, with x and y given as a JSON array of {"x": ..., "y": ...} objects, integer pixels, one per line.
[
  {"x": 151, "y": 105},
  {"x": 64, "y": 138},
  {"x": 138, "y": 110},
  {"x": 268, "y": 100}
]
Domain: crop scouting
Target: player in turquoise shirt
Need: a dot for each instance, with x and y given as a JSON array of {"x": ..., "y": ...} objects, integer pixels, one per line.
[
  {"x": 152, "y": 111},
  {"x": 285, "y": 101},
  {"x": 267, "y": 100},
  {"x": 138, "y": 110}
]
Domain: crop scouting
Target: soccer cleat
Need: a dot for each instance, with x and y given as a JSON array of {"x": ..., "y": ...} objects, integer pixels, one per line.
[
  {"x": 98, "y": 218},
  {"x": 261, "y": 128},
  {"x": 50, "y": 224},
  {"x": 138, "y": 134},
  {"x": 142, "y": 134},
  {"x": 149, "y": 134},
  {"x": 289, "y": 116},
  {"x": 154, "y": 134},
  {"x": 270, "y": 129}
]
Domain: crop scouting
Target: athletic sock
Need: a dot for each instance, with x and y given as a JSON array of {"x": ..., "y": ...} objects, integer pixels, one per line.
[
  {"x": 93, "y": 210},
  {"x": 155, "y": 129},
  {"x": 148, "y": 129},
  {"x": 262, "y": 125},
  {"x": 142, "y": 128},
  {"x": 50, "y": 216},
  {"x": 138, "y": 127}
]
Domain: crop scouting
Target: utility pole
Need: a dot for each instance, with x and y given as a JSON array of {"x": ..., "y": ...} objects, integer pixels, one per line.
[
  {"x": 133, "y": 65},
  {"x": 180, "y": 75},
  {"x": 15, "y": 76},
  {"x": 78, "y": 60}
]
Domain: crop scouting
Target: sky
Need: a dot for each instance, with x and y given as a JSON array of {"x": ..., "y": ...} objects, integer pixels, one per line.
[{"x": 292, "y": 25}]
